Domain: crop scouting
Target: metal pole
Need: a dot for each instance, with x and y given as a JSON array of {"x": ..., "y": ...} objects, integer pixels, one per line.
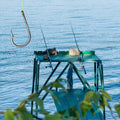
[
  {"x": 95, "y": 76},
  {"x": 33, "y": 83},
  {"x": 84, "y": 82},
  {"x": 100, "y": 73},
  {"x": 37, "y": 82},
  {"x": 56, "y": 79},
  {"x": 49, "y": 77},
  {"x": 102, "y": 76},
  {"x": 103, "y": 86},
  {"x": 102, "y": 82}
]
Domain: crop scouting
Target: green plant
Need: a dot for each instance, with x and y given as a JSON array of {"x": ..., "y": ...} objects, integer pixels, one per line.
[{"x": 91, "y": 100}]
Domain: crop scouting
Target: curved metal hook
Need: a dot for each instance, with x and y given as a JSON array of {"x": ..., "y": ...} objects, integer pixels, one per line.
[{"x": 27, "y": 30}]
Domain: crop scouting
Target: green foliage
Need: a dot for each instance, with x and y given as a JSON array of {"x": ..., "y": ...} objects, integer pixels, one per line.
[
  {"x": 39, "y": 102},
  {"x": 89, "y": 96},
  {"x": 70, "y": 114},
  {"x": 8, "y": 115},
  {"x": 21, "y": 113},
  {"x": 43, "y": 111},
  {"x": 105, "y": 94},
  {"x": 91, "y": 101},
  {"x": 73, "y": 112},
  {"x": 84, "y": 107},
  {"x": 55, "y": 116},
  {"x": 117, "y": 108},
  {"x": 53, "y": 96},
  {"x": 96, "y": 97},
  {"x": 55, "y": 84}
]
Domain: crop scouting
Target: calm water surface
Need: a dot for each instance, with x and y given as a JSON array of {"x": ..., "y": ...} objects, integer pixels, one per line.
[{"x": 97, "y": 27}]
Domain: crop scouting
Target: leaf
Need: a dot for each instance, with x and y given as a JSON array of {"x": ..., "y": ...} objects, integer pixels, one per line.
[
  {"x": 74, "y": 112},
  {"x": 83, "y": 112},
  {"x": 92, "y": 111},
  {"x": 19, "y": 118},
  {"x": 96, "y": 97},
  {"x": 39, "y": 102},
  {"x": 43, "y": 111},
  {"x": 84, "y": 108},
  {"x": 8, "y": 115},
  {"x": 62, "y": 112},
  {"x": 105, "y": 102},
  {"x": 55, "y": 84},
  {"x": 26, "y": 116},
  {"x": 106, "y": 94},
  {"x": 55, "y": 116},
  {"x": 30, "y": 97},
  {"x": 102, "y": 105},
  {"x": 117, "y": 109},
  {"x": 20, "y": 108},
  {"x": 86, "y": 103},
  {"x": 88, "y": 96},
  {"x": 53, "y": 96}
]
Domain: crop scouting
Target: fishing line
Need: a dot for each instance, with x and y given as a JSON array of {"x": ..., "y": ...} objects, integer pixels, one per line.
[{"x": 21, "y": 5}]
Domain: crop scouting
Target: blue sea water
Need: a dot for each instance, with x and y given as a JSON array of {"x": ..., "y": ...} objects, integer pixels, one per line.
[{"x": 97, "y": 27}]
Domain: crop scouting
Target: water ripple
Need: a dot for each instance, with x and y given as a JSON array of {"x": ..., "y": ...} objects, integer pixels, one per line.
[{"x": 96, "y": 25}]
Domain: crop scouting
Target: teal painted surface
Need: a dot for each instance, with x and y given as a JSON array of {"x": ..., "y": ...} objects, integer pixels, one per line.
[
  {"x": 72, "y": 98},
  {"x": 63, "y": 56}
]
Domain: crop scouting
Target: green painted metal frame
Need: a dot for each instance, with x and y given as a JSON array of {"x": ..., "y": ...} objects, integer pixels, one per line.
[
  {"x": 98, "y": 74},
  {"x": 88, "y": 56}
]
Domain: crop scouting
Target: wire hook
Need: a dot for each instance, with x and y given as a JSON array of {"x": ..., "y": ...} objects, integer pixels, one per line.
[{"x": 27, "y": 30}]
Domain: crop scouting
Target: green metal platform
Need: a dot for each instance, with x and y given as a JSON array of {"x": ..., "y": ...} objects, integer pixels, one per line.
[{"x": 64, "y": 57}]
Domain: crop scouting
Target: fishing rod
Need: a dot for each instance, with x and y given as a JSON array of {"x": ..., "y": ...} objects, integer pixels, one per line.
[
  {"x": 47, "y": 49},
  {"x": 78, "y": 50}
]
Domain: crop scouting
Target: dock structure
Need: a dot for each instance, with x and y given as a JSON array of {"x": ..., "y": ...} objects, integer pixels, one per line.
[{"x": 66, "y": 100}]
